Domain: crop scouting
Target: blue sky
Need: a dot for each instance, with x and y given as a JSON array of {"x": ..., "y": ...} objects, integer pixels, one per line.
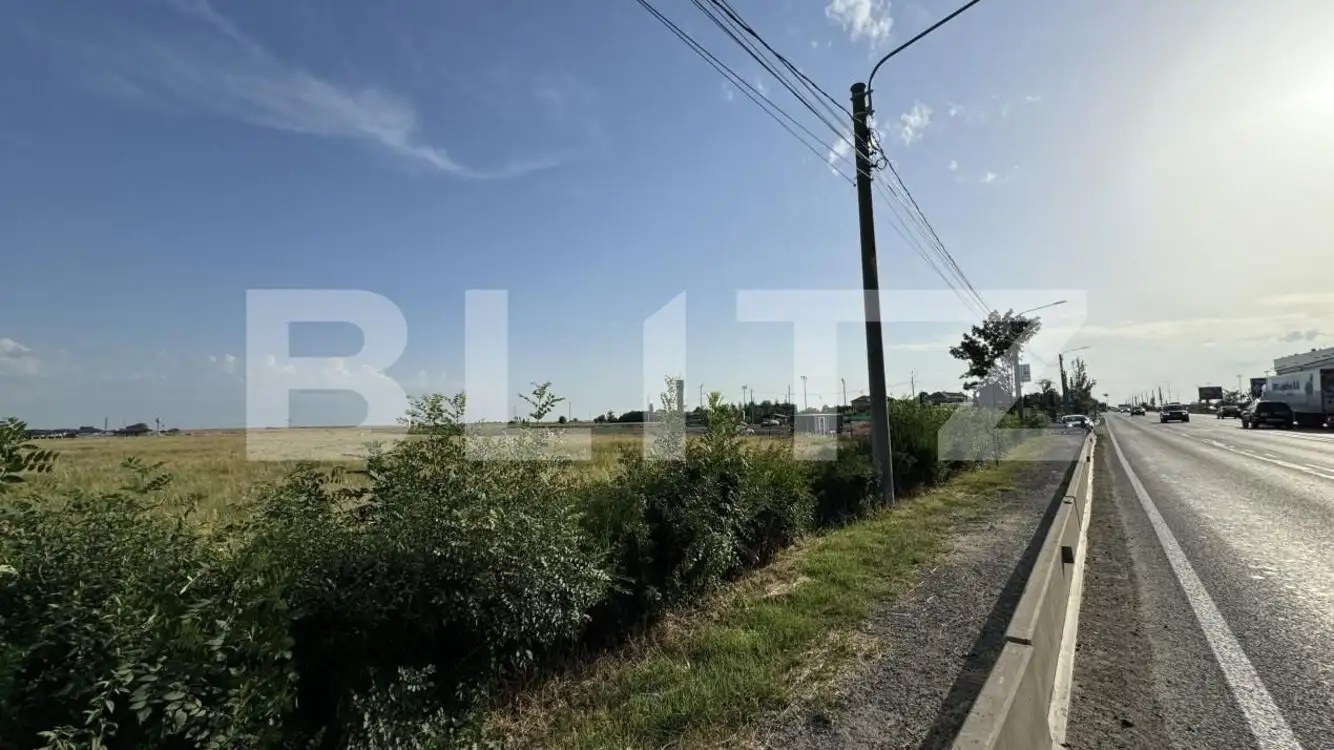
[{"x": 162, "y": 157}]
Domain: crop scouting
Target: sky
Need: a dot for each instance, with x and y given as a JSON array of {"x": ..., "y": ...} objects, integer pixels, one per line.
[{"x": 1166, "y": 168}]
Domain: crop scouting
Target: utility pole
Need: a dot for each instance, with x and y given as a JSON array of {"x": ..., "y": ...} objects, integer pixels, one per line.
[
  {"x": 912, "y": 383},
  {"x": 805, "y": 404},
  {"x": 845, "y": 391},
  {"x": 875, "y": 341},
  {"x": 1065, "y": 390},
  {"x": 1018, "y": 386},
  {"x": 701, "y": 395}
]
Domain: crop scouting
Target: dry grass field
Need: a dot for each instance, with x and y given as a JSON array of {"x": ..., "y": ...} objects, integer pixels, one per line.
[{"x": 225, "y": 466}]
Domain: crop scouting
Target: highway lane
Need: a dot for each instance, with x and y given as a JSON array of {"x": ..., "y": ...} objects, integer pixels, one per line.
[{"x": 1221, "y": 545}]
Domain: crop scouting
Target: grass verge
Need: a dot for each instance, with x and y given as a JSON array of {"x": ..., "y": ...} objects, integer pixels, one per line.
[{"x": 779, "y": 636}]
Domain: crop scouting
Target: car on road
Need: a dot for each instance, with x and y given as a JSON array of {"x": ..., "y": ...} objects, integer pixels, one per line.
[
  {"x": 1076, "y": 421},
  {"x": 1229, "y": 411},
  {"x": 1137, "y": 411},
  {"x": 1174, "y": 413},
  {"x": 1271, "y": 413}
]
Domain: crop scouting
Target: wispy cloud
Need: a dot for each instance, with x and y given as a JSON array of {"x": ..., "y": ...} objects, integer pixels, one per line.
[
  {"x": 226, "y": 362},
  {"x": 914, "y": 122},
  {"x": 1299, "y": 336},
  {"x": 840, "y": 151},
  {"x": 225, "y": 72},
  {"x": 987, "y": 178},
  {"x": 17, "y": 359},
  {"x": 996, "y": 109},
  {"x": 1258, "y": 329},
  {"x": 953, "y": 166},
  {"x": 572, "y": 103},
  {"x": 862, "y": 19},
  {"x": 1299, "y": 299}
]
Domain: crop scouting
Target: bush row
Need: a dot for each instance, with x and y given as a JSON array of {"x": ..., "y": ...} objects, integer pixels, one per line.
[{"x": 389, "y": 615}]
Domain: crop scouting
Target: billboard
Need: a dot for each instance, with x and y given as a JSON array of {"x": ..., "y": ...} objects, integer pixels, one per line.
[
  {"x": 1211, "y": 393},
  {"x": 1258, "y": 387}
]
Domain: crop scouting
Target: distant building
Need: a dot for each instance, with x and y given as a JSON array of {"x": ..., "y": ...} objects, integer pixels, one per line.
[
  {"x": 861, "y": 403},
  {"x": 817, "y": 424},
  {"x": 1304, "y": 361},
  {"x": 947, "y": 397}
]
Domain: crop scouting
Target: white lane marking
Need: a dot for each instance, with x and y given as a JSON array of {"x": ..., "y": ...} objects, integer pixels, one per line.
[
  {"x": 1267, "y": 724},
  {"x": 1315, "y": 471},
  {"x": 1307, "y": 438},
  {"x": 1058, "y": 716}
]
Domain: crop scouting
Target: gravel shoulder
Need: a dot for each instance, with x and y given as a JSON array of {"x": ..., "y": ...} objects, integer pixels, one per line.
[{"x": 938, "y": 642}]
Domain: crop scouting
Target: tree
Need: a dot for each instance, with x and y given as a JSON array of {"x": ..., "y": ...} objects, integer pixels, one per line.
[
  {"x": 561, "y": 419},
  {"x": 1049, "y": 397},
  {"x": 1081, "y": 387},
  {"x": 988, "y": 347}
]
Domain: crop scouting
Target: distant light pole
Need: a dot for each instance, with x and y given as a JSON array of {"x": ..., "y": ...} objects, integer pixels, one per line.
[
  {"x": 1019, "y": 381},
  {"x": 805, "y": 403}
]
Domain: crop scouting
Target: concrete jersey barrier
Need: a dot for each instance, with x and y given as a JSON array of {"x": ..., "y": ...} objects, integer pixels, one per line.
[{"x": 1012, "y": 710}]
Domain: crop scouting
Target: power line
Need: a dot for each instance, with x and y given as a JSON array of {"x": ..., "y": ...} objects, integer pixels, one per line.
[
  {"x": 760, "y": 100},
  {"x": 903, "y": 205},
  {"x": 810, "y": 85},
  {"x": 939, "y": 245}
]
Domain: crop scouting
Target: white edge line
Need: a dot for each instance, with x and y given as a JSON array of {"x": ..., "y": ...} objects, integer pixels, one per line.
[
  {"x": 1058, "y": 716},
  {"x": 1267, "y": 724}
]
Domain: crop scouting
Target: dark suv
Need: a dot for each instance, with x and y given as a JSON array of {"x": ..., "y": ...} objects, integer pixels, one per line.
[
  {"x": 1174, "y": 413},
  {"x": 1272, "y": 413},
  {"x": 1229, "y": 410}
]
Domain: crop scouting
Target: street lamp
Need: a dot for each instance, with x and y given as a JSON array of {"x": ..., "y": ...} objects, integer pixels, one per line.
[{"x": 875, "y": 342}]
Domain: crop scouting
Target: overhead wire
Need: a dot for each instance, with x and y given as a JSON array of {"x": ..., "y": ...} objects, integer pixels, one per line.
[
  {"x": 736, "y": 28},
  {"x": 912, "y": 225},
  {"x": 757, "y": 97}
]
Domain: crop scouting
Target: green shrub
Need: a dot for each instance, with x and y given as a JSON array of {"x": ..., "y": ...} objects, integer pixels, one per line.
[
  {"x": 679, "y": 522},
  {"x": 18, "y": 456},
  {"x": 124, "y": 627},
  {"x": 387, "y": 616},
  {"x": 847, "y": 487},
  {"x": 469, "y": 568}
]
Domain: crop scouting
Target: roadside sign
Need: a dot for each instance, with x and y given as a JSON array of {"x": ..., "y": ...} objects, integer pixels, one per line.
[{"x": 1025, "y": 374}]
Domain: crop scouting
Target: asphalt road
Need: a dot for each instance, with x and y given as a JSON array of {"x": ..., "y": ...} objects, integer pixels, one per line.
[{"x": 1208, "y": 612}]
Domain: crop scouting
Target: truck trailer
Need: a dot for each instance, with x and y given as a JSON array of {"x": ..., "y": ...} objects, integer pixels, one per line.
[{"x": 1309, "y": 392}]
